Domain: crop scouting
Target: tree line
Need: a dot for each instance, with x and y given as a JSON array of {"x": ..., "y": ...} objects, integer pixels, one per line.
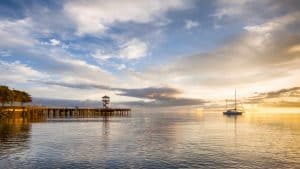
[{"x": 8, "y": 96}]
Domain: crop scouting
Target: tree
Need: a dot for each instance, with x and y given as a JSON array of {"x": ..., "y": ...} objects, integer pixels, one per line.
[
  {"x": 12, "y": 96},
  {"x": 26, "y": 98},
  {"x": 4, "y": 95},
  {"x": 21, "y": 97},
  {"x": 17, "y": 96}
]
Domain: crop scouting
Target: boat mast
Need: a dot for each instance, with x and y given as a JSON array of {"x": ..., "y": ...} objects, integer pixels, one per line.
[{"x": 235, "y": 99}]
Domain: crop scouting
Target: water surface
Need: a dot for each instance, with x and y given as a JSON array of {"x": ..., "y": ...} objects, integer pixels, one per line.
[{"x": 153, "y": 140}]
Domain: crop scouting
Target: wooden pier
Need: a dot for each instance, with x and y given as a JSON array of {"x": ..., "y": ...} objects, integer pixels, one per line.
[{"x": 61, "y": 112}]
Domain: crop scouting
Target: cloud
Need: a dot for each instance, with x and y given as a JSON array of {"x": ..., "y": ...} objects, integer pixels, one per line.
[
  {"x": 35, "y": 60},
  {"x": 294, "y": 91},
  {"x": 68, "y": 67},
  {"x": 16, "y": 33},
  {"x": 121, "y": 66},
  {"x": 283, "y": 104},
  {"x": 143, "y": 93},
  {"x": 56, "y": 64},
  {"x": 134, "y": 49},
  {"x": 264, "y": 51},
  {"x": 257, "y": 55},
  {"x": 159, "y": 97},
  {"x": 151, "y": 92},
  {"x": 151, "y": 96},
  {"x": 54, "y": 42},
  {"x": 280, "y": 98},
  {"x": 294, "y": 49},
  {"x": 22, "y": 40},
  {"x": 252, "y": 11},
  {"x": 130, "y": 50},
  {"x": 189, "y": 24},
  {"x": 96, "y": 16},
  {"x": 101, "y": 55},
  {"x": 65, "y": 102},
  {"x": 290, "y": 92},
  {"x": 230, "y": 8},
  {"x": 73, "y": 85},
  {"x": 275, "y": 24},
  {"x": 168, "y": 102},
  {"x": 16, "y": 72},
  {"x": 4, "y": 53}
]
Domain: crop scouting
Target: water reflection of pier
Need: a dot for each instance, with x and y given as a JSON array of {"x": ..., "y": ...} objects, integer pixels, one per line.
[{"x": 14, "y": 136}]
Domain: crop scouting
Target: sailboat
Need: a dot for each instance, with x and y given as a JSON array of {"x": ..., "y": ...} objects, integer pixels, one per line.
[{"x": 233, "y": 111}]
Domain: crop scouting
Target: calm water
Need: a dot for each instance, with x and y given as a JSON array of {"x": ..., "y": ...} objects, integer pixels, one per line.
[{"x": 153, "y": 140}]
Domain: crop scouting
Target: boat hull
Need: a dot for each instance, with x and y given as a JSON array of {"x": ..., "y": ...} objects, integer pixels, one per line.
[{"x": 232, "y": 113}]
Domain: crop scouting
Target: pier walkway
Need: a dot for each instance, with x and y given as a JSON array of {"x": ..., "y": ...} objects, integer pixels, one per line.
[{"x": 55, "y": 112}]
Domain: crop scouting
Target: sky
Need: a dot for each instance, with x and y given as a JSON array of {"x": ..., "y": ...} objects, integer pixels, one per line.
[{"x": 152, "y": 52}]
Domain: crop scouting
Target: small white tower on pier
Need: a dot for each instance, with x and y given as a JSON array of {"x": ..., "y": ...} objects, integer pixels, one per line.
[{"x": 105, "y": 101}]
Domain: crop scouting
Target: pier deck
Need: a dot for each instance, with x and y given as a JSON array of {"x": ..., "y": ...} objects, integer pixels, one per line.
[{"x": 53, "y": 112}]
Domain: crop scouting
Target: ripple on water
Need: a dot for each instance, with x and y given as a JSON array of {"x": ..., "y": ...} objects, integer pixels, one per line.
[{"x": 174, "y": 140}]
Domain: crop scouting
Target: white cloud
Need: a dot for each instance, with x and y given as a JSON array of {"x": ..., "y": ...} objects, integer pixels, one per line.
[
  {"x": 263, "y": 32},
  {"x": 249, "y": 61},
  {"x": 121, "y": 66},
  {"x": 134, "y": 49},
  {"x": 16, "y": 72},
  {"x": 273, "y": 24},
  {"x": 261, "y": 28},
  {"x": 246, "y": 10},
  {"x": 59, "y": 65},
  {"x": 189, "y": 24},
  {"x": 64, "y": 66},
  {"x": 95, "y": 16},
  {"x": 54, "y": 42},
  {"x": 101, "y": 55},
  {"x": 230, "y": 8},
  {"x": 16, "y": 33}
]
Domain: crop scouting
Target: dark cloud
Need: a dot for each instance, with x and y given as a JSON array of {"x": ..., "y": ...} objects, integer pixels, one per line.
[
  {"x": 158, "y": 96},
  {"x": 72, "y": 85},
  {"x": 150, "y": 92},
  {"x": 281, "y": 93},
  {"x": 287, "y": 98},
  {"x": 65, "y": 102},
  {"x": 167, "y": 102},
  {"x": 290, "y": 92},
  {"x": 171, "y": 102}
]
